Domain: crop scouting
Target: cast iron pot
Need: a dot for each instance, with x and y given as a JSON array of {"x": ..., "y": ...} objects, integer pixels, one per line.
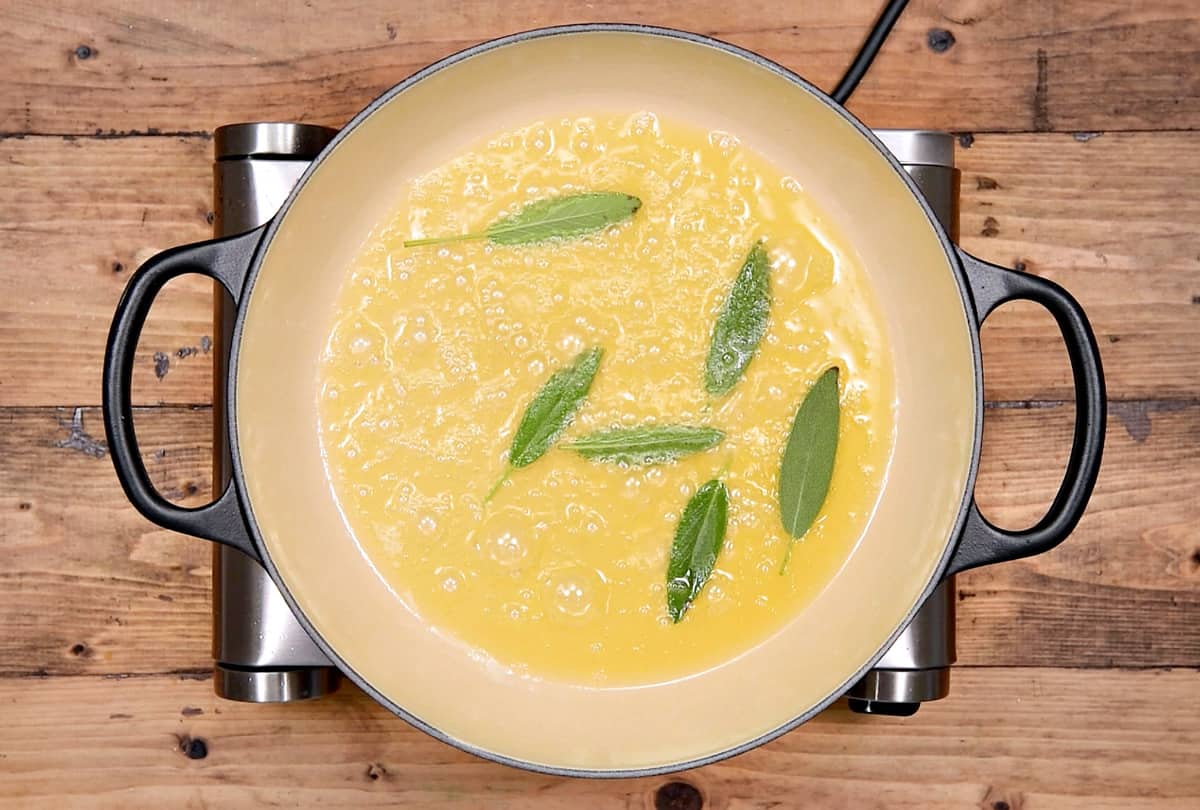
[{"x": 280, "y": 509}]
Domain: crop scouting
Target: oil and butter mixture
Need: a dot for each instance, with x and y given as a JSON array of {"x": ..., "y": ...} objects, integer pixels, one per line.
[{"x": 436, "y": 351}]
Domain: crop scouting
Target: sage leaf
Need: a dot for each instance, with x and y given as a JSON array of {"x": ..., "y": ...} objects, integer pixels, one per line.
[
  {"x": 698, "y": 540},
  {"x": 550, "y": 412},
  {"x": 649, "y": 444},
  {"x": 741, "y": 324},
  {"x": 807, "y": 466},
  {"x": 553, "y": 218}
]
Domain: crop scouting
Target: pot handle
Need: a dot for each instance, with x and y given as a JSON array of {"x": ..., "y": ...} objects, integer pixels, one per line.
[
  {"x": 227, "y": 261},
  {"x": 981, "y": 542}
]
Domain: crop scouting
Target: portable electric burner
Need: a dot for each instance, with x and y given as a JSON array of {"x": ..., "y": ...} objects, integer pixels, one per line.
[{"x": 263, "y": 655}]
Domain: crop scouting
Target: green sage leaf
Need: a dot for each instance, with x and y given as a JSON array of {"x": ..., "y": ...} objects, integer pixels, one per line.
[
  {"x": 741, "y": 324},
  {"x": 807, "y": 466},
  {"x": 698, "y": 540},
  {"x": 553, "y": 218},
  {"x": 550, "y": 412},
  {"x": 649, "y": 444}
]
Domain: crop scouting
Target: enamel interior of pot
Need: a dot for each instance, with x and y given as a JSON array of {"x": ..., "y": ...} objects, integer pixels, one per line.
[{"x": 558, "y": 725}]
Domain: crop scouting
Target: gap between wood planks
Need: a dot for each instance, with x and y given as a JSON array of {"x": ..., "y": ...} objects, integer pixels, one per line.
[
  {"x": 112, "y": 134},
  {"x": 204, "y": 674}
]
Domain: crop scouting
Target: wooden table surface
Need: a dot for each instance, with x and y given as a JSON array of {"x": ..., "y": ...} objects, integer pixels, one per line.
[{"x": 1079, "y": 670}]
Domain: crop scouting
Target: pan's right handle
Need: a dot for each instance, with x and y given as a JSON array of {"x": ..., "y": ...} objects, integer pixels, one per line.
[
  {"x": 226, "y": 260},
  {"x": 981, "y": 542}
]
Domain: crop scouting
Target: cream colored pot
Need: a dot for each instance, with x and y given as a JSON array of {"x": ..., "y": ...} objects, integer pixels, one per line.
[{"x": 280, "y": 508}]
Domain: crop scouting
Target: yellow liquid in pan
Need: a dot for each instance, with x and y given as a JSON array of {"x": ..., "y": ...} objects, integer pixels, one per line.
[{"x": 436, "y": 351}]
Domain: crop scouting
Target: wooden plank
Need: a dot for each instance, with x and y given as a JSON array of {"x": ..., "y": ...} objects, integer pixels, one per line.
[
  {"x": 89, "y": 587},
  {"x": 1026, "y": 739},
  {"x": 1107, "y": 218},
  {"x": 1132, "y": 564},
  {"x": 76, "y": 218},
  {"x": 1062, "y": 207},
  {"x": 129, "y": 65}
]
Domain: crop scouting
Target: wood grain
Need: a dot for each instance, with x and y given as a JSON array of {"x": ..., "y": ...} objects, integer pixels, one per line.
[
  {"x": 157, "y": 66},
  {"x": 1026, "y": 739},
  {"x": 1124, "y": 589},
  {"x": 76, "y": 218},
  {"x": 89, "y": 587},
  {"x": 87, "y": 584},
  {"x": 1108, "y": 220},
  {"x": 1062, "y": 207}
]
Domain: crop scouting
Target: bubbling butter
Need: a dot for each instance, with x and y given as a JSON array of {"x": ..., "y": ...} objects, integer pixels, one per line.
[{"x": 435, "y": 351}]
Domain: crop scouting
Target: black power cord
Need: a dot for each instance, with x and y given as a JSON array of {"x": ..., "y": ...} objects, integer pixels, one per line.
[{"x": 866, "y": 55}]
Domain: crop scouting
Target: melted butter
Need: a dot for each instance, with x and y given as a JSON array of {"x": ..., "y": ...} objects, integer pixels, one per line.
[{"x": 436, "y": 351}]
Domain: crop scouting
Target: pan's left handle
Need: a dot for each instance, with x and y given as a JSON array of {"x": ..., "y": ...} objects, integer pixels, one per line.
[{"x": 226, "y": 260}]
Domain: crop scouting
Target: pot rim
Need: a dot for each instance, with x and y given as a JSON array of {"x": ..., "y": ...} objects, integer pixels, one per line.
[{"x": 953, "y": 262}]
